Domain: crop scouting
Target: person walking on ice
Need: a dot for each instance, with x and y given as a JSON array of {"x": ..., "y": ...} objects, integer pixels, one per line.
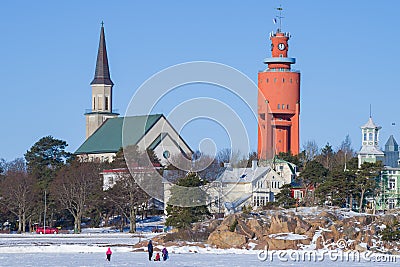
[
  {"x": 150, "y": 250},
  {"x": 108, "y": 254},
  {"x": 164, "y": 254}
]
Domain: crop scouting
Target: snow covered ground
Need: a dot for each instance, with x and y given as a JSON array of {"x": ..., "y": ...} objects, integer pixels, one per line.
[{"x": 88, "y": 249}]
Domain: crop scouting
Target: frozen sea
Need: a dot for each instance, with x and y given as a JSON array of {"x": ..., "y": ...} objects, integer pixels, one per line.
[{"x": 89, "y": 250}]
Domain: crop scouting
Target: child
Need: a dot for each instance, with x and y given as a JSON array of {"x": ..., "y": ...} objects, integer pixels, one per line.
[
  {"x": 108, "y": 254},
  {"x": 165, "y": 254},
  {"x": 157, "y": 258}
]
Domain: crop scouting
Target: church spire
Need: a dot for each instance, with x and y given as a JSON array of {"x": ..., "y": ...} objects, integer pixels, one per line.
[{"x": 102, "y": 74}]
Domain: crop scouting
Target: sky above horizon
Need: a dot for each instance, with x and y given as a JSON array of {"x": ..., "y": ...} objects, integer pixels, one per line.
[{"x": 345, "y": 51}]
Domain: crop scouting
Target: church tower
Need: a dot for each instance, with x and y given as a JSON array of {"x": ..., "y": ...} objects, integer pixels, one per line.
[
  {"x": 370, "y": 151},
  {"x": 101, "y": 91},
  {"x": 278, "y": 100}
]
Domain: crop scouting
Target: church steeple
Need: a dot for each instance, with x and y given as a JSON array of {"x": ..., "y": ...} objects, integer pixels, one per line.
[
  {"x": 102, "y": 74},
  {"x": 101, "y": 91}
]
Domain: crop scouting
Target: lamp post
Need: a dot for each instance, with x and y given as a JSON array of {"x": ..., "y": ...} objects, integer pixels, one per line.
[
  {"x": 133, "y": 220},
  {"x": 44, "y": 215}
]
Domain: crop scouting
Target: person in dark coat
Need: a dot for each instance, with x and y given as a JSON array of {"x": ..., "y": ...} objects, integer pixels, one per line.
[
  {"x": 108, "y": 254},
  {"x": 164, "y": 254},
  {"x": 150, "y": 250}
]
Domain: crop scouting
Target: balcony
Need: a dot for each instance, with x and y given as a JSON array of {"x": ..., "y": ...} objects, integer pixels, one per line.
[{"x": 91, "y": 111}]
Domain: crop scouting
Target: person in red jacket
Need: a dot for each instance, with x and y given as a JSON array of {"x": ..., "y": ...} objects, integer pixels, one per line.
[
  {"x": 108, "y": 254},
  {"x": 157, "y": 258}
]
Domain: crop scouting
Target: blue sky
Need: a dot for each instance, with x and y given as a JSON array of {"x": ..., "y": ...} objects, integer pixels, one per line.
[{"x": 347, "y": 52}]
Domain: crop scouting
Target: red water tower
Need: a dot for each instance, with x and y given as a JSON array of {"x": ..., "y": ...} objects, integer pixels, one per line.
[{"x": 278, "y": 101}]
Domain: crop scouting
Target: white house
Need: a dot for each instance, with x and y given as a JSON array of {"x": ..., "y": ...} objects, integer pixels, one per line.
[{"x": 236, "y": 187}]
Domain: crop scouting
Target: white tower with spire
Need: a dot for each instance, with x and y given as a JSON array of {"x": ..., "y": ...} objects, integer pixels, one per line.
[
  {"x": 101, "y": 91},
  {"x": 370, "y": 151}
]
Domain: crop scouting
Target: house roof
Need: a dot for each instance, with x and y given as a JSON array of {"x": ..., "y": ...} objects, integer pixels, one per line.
[
  {"x": 242, "y": 175},
  {"x": 370, "y": 150},
  {"x": 108, "y": 137},
  {"x": 370, "y": 124},
  {"x": 391, "y": 144}
]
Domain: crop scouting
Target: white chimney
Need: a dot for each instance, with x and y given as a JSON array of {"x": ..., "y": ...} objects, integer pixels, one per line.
[{"x": 254, "y": 165}]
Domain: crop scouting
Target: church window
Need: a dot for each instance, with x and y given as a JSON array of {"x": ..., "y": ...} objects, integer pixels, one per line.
[
  {"x": 370, "y": 137},
  {"x": 106, "y": 103},
  {"x": 287, "y": 106},
  {"x": 267, "y": 80},
  {"x": 99, "y": 103},
  {"x": 283, "y": 106},
  {"x": 279, "y": 106},
  {"x": 283, "y": 80},
  {"x": 365, "y": 136},
  {"x": 291, "y": 80},
  {"x": 166, "y": 154}
]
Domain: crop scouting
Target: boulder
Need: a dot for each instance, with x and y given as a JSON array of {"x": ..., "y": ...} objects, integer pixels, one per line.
[
  {"x": 282, "y": 244},
  {"x": 213, "y": 225},
  {"x": 360, "y": 248},
  {"x": 301, "y": 226},
  {"x": 243, "y": 229},
  {"x": 319, "y": 243},
  {"x": 256, "y": 227},
  {"x": 282, "y": 224},
  {"x": 226, "y": 239}
]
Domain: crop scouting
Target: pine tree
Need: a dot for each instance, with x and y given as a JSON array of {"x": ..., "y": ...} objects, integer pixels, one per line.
[
  {"x": 187, "y": 192},
  {"x": 284, "y": 197}
]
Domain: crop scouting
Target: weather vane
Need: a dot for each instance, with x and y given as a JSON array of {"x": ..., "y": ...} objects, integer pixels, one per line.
[{"x": 279, "y": 17}]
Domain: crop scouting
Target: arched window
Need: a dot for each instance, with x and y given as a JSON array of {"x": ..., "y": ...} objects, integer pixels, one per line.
[
  {"x": 279, "y": 106},
  {"x": 365, "y": 136},
  {"x": 370, "y": 137}
]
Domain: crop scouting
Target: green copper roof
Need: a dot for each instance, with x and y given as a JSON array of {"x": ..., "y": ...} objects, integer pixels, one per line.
[{"x": 108, "y": 137}]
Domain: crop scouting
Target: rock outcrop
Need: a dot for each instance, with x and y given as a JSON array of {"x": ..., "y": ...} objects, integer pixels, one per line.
[{"x": 314, "y": 228}]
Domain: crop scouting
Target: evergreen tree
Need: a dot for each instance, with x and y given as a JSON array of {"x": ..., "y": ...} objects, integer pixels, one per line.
[
  {"x": 289, "y": 157},
  {"x": 391, "y": 232},
  {"x": 45, "y": 158},
  {"x": 187, "y": 191},
  {"x": 365, "y": 181},
  {"x": 312, "y": 175},
  {"x": 284, "y": 197}
]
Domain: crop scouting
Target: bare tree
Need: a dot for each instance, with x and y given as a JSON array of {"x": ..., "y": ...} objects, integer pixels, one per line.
[
  {"x": 235, "y": 157},
  {"x": 75, "y": 186},
  {"x": 311, "y": 150},
  {"x": 17, "y": 192},
  {"x": 127, "y": 196}
]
